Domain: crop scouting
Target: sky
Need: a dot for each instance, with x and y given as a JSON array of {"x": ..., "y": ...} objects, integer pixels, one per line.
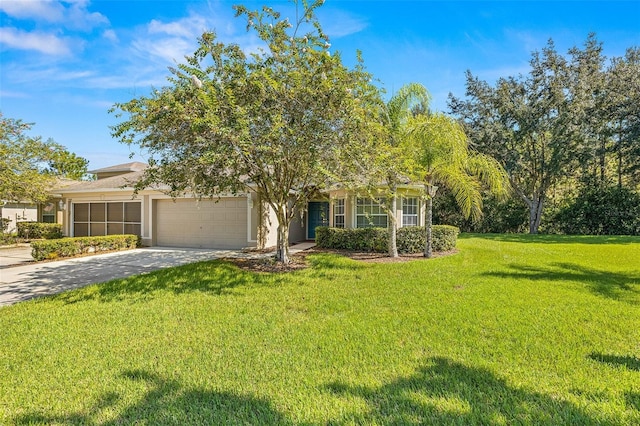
[{"x": 64, "y": 64}]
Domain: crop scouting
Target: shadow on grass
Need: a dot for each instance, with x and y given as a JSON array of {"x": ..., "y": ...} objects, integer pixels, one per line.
[
  {"x": 632, "y": 400},
  {"x": 557, "y": 239},
  {"x": 628, "y": 361},
  {"x": 619, "y": 286},
  {"x": 166, "y": 402},
  {"x": 214, "y": 277},
  {"x": 447, "y": 392}
]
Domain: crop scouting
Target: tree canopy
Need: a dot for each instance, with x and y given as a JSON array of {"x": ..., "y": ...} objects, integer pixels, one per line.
[
  {"x": 28, "y": 165},
  {"x": 277, "y": 121},
  {"x": 565, "y": 120}
]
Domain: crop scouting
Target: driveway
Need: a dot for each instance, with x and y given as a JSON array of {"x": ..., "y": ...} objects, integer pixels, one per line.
[{"x": 27, "y": 281}]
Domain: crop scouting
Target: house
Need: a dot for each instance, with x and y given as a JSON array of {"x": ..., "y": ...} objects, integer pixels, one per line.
[
  {"x": 12, "y": 213},
  {"x": 108, "y": 206}
]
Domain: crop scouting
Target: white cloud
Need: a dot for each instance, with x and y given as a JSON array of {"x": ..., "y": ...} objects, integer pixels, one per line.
[
  {"x": 183, "y": 28},
  {"x": 77, "y": 17},
  {"x": 72, "y": 14},
  {"x": 337, "y": 23},
  {"x": 110, "y": 35},
  {"x": 42, "y": 42},
  {"x": 14, "y": 95},
  {"x": 49, "y": 11}
]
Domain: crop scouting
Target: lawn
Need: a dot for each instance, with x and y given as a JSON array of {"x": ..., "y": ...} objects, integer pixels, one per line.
[{"x": 510, "y": 330}]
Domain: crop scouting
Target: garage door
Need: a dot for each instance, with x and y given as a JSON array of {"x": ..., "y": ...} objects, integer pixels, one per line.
[{"x": 204, "y": 224}]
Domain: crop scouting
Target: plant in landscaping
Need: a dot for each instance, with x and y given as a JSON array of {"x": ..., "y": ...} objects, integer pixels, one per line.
[
  {"x": 69, "y": 247},
  {"x": 439, "y": 154}
]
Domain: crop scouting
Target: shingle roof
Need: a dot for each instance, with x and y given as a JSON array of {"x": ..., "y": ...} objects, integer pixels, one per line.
[
  {"x": 116, "y": 183},
  {"x": 134, "y": 166}
]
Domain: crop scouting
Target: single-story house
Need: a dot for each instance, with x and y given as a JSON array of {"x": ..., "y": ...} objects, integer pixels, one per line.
[
  {"x": 12, "y": 213},
  {"x": 107, "y": 206}
]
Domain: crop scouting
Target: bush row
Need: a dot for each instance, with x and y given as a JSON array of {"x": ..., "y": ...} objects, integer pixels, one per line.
[
  {"x": 409, "y": 239},
  {"x": 37, "y": 230},
  {"x": 69, "y": 247}
]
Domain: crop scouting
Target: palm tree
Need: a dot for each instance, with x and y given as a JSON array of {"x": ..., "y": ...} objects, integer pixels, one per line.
[
  {"x": 395, "y": 116},
  {"x": 438, "y": 153}
]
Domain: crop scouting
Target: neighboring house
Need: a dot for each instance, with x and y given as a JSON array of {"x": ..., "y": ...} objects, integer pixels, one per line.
[
  {"x": 108, "y": 206},
  {"x": 13, "y": 213}
]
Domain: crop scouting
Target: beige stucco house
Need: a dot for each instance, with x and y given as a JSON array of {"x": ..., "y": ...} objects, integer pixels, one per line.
[{"x": 107, "y": 206}]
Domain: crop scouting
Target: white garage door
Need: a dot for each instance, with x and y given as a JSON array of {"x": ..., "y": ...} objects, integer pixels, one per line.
[{"x": 204, "y": 224}]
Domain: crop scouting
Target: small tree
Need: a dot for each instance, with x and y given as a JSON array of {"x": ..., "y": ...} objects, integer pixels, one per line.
[
  {"x": 381, "y": 167},
  {"x": 439, "y": 154},
  {"x": 276, "y": 121},
  {"x": 28, "y": 166}
]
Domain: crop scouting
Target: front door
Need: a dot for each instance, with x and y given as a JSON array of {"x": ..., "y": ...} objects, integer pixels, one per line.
[{"x": 318, "y": 216}]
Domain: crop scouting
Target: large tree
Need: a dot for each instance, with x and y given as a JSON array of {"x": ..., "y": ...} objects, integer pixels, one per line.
[
  {"x": 623, "y": 115},
  {"x": 439, "y": 155},
  {"x": 531, "y": 124},
  {"x": 277, "y": 121},
  {"x": 29, "y": 165},
  {"x": 570, "y": 120}
]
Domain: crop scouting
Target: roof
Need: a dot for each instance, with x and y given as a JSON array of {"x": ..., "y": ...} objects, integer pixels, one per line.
[
  {"x": 134, "y": 166},
  {"x": 115, "y": 183}
]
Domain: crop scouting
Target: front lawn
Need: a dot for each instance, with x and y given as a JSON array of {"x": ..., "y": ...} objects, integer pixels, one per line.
[{"x": 510, "y": 330}]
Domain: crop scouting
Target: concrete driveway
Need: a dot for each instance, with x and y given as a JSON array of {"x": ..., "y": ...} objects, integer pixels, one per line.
[{"x": 26, "y": 281}]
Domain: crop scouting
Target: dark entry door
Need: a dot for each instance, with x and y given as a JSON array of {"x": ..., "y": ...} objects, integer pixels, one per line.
[{"x": 318, "y": 216}]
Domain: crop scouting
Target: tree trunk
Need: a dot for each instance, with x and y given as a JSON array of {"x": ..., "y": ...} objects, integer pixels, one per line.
[
  {"x": 282, "y": 244},
  {"x": 391, "y": 225},
  {"x": 535, "y": 214},
  {"x": 619, "y": 149},
  {"x": 428, "y": 245},
  {"x": 603, "y": 161}
]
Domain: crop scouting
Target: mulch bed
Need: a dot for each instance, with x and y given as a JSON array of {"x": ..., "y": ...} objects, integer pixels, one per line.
[{"x": 298, "y": 261}]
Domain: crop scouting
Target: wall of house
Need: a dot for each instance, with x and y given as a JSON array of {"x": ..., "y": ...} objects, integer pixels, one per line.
[{"x": 19, "y": 212}]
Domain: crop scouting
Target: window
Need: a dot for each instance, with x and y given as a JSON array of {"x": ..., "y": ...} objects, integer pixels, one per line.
[
  {"x": 49, "y": 213},
  {"x": 91, "y": 219},
  {"x": 410, "y": 211},
  {"x": 370, "y": 213},
  {"x": 338, "y": 213}
]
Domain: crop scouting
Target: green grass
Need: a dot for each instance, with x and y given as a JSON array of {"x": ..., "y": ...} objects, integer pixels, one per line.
[{"x": 510, "y": 330}]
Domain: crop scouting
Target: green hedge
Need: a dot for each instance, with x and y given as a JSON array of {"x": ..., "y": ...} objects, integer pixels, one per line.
[
  {"x": 37, "y": 230},
  {"x": 356, "y": 239},
  {"x": 69, "y": 247},
  {"x": 409, "y": 239}
]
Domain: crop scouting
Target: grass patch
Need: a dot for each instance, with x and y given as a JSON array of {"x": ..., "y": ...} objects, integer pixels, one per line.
[{"x": 510, "y": 330}]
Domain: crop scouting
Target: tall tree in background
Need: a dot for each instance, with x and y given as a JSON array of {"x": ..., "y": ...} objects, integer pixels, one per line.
[
  {"x": 531, "y": 124},
  {"x": 439, "y": 154},
  {"x": 29, "y": 166},
  {"x": 623, "y": 115},
  {"x": 590, "y": 101},
  {"x": 277, "y": 121}
]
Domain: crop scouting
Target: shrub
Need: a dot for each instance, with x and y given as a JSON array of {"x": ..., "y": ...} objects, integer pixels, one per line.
[
  {"x": 38, "y": 230},
  {"x": 444, "y": 237},
  {"x": 499, "y": 216},
  {"x": 409, "y": 239},
  {"x": 600, "y": 210},
  {"x": 355, "y": 239},
  {"x": 4, "y": 224},
  {"x": 69, "y": 247}
]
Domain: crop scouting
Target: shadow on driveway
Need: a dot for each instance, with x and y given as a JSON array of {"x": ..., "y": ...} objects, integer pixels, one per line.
[{"x": 28, "y": 281}]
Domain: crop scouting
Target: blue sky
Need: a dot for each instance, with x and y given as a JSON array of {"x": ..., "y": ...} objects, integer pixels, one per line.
[{"x": 63, "y": 64}]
